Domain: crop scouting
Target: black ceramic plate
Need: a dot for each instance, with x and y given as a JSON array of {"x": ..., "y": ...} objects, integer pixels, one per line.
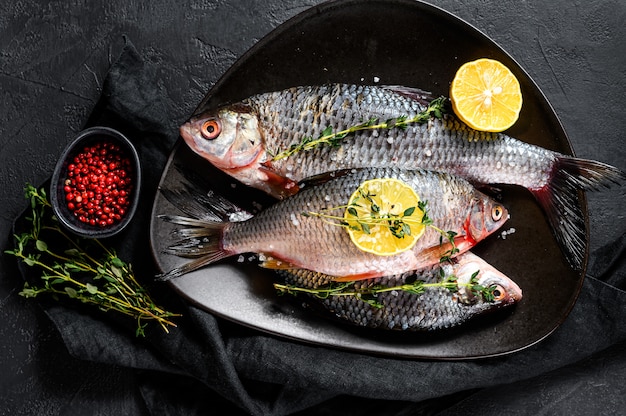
[{"x": 390, "y": 42}]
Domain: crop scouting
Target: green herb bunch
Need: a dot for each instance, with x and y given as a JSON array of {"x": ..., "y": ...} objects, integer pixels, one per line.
[{"x": 81, "y": 269}]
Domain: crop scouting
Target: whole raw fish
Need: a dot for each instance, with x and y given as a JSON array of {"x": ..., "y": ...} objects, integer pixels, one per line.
[
  {"x": 286, "y": 238},
  {"x": 243, "y": 139},
  {"x": 435, "y": 308}
]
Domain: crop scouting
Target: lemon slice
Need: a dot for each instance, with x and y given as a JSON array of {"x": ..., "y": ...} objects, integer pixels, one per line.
[
  {"x": 486, "y": 95},
  {"x": 383, "y": 217}
]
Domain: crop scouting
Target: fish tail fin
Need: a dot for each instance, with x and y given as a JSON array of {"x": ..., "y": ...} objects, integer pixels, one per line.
[
  {"x": 200, "y": 241},
  {"x": 559, "y": 199},
  {"x": 199, "y": 235},
  {"x": 185, "y": 268}
]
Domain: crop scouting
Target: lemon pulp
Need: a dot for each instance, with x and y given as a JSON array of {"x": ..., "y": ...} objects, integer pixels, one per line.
[
  {"x": 384, "y": 217},
  {"x": 486, "y": 95}
]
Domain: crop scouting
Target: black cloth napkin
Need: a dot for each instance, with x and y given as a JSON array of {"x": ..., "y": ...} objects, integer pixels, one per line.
[{"x": 207, "y": 362}]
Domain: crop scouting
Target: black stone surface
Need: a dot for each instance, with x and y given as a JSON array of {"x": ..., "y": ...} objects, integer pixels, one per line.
[{"x": 53, "y": 59}]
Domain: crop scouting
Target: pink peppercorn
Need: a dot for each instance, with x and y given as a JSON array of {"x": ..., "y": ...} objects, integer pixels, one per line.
[{"x": 97, "y": 185}]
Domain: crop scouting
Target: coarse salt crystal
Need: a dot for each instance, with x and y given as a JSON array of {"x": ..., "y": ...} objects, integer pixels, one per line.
[
  {"x": 510, "y": 231},
  {"x": 238, "y": 216}
]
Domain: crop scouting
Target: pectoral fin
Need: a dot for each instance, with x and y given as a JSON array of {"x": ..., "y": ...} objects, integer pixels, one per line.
[
  {"x": 276, "y": 264},
  {"x": 277, "y": 183}
]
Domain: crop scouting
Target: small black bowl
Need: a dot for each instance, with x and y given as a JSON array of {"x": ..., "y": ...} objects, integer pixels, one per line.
[{"x": 88, "y": 137}]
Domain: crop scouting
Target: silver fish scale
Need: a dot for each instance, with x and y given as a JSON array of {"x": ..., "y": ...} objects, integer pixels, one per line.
[
  {"x": 283, "y": 119},
  {"x": 435, "y": 309},
  {"x": 449, "y": 145},
  {"x": 282, "y": 231},
  {"x": 435, "y": 146},
  {"x": 306, "y": 111}
]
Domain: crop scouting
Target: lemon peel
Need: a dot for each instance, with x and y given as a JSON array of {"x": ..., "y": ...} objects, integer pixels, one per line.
[{"x": 486, "y": 95}]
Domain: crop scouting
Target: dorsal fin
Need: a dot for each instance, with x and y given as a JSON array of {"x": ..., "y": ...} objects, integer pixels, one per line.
[{"x": 416, "y": 94}]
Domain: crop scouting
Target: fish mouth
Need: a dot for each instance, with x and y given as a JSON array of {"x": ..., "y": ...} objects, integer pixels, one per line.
[
  {"x": 186, "y": 131},
  {"x": 515, "y": 292},
  {"x": 190, "y": 133}
]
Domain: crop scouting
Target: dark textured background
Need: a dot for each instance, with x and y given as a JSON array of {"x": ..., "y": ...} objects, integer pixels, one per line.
[{"x": 53, "y": 58}]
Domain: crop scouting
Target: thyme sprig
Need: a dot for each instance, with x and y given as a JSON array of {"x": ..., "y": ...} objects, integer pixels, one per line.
[
  {"x": 436, "y": 108},
  {"x": 398, "y": 224},
  {"x": 369, "y": 294},
  {"x": 71, "y": 269}
]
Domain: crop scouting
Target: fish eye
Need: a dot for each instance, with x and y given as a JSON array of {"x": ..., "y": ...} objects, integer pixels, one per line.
[
  {"x": 496, "y": 212},
  {"x": 211, "y": 129},
  {"x": 498, "y": 293}
]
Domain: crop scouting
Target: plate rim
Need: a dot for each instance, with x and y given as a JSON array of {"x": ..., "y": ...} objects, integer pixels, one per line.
[{"x": 418, "y": 6}]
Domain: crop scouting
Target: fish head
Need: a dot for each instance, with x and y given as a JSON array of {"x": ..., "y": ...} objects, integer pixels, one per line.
[
  {"x": 473, "y": 272},
  {"x": 228, "y": 137},
  {"x": 485, "y": 217},
  {"x": 232, "y": 140}
]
